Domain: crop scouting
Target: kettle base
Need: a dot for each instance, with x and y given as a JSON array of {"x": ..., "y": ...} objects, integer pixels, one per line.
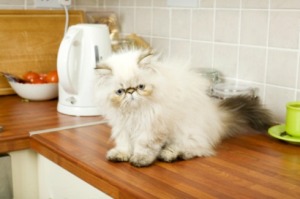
[{"x": 78, "y": 111}]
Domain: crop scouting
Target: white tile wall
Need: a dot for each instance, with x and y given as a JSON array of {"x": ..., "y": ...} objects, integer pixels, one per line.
[
  {"x": 252, "y": 63},
  {"x": 227, "y": 3},
  {"x": 254, "y": 27},
  {"x": 161, "y": 22},
  {"x": 227, "y": 26},
  {"x": 255, "y": 41},
  {"x": 225, "y": 59},
  {"x": 204, "y": 21},
  {"x": 201, "y": 54},
  {"x": 284, "y": 29},
  {"x": 180, "y": 23},
  {"x": 255, "y": 4},
  {"x": 143, "y": 21},
  {"x": 282, "y": 68}
]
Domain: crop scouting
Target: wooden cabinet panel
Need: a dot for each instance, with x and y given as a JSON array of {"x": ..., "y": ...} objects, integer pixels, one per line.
[{"x": 30, "y": 40}]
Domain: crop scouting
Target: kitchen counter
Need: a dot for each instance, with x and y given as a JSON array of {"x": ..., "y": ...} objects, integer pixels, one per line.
[
  {"x": 18, "y": 117},
  {"x": 252, "y": 165}
]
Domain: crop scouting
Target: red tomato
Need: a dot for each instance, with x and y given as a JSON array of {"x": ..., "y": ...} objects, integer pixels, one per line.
[
  {"x": 52, "y": 77},
  {"x": 43, "y": 77},
  {"x": 30, "y": 75},
  {"x": 37, "y": 81}
]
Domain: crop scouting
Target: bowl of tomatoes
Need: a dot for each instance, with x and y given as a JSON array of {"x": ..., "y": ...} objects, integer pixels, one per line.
[{"x": 35, "y": 86}]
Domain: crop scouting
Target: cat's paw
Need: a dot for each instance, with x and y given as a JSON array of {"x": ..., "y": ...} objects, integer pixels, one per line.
[
  {"x": 140, "y": 160},
  {"x": 116, "y": 155},
  {"x": 168, "y": 155}
]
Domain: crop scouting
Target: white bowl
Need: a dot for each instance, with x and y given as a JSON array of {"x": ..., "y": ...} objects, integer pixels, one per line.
[{"x": 35, "y": 92}]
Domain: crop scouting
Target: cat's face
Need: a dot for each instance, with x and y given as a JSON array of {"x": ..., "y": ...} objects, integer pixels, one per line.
[
  {"x": 131, "y": 95},
  {"x": 128, "y": 79}
]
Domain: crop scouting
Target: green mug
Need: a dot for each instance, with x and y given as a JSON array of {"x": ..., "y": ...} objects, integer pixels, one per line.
[{"x": 292, "y": 120}]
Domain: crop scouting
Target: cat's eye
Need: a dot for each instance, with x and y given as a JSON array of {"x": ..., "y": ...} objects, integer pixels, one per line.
[
  {"x": 141, "y": 86},
  {"x": 120, "y": 91}
]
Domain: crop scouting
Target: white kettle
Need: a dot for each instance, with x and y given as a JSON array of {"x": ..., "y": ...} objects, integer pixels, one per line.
[{"x": 83, "y": 46}]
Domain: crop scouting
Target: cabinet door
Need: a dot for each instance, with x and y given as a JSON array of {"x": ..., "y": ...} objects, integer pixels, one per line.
[
  {"x": 5, "y": 177},
  {"x": 24, "y": 174},
  {"x": 56, "y": 182}
]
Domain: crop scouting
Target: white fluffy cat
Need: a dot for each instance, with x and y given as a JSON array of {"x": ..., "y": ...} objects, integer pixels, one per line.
[{"x": 160, "y": 110}]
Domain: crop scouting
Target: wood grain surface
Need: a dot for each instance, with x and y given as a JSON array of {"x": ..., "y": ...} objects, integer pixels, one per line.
[
  {"x": 30, "y": 40},
  {"x": 252, "y": 165},
  {"x": 18, "y": 118}
]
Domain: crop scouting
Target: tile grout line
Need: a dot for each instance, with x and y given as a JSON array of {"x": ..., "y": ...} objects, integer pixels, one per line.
[
  {"x": 239, "y": 43},
  {"x": 213, "y": 36},
  {"x": 297, "y": 69},
  {"x": 267, "y": 54},
  {"x": 170, "y": 30},
  {"x": 151, "y": 22},
  {"x": 190, "y": 35},
  {"x": 229, "y": 44}
]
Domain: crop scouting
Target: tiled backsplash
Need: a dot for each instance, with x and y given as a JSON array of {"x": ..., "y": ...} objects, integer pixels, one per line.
[{"x": 253, "y": 41}]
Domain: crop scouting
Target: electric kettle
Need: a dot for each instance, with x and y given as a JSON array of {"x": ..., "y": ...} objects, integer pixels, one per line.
[{"x": 82, "y": 48}]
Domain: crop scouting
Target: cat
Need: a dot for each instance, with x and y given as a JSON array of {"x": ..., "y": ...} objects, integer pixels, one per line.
[{"x": 159, "y": 110}]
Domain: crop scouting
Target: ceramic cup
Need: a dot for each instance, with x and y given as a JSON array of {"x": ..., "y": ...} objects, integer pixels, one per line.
[{"x": 292, "y": 121}]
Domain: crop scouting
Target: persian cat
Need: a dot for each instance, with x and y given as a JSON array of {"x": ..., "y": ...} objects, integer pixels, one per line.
[{"x": 161, "y": 110}]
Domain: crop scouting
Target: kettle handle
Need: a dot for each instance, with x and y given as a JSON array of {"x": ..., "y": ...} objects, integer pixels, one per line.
[{"x": 68, "y": 60}]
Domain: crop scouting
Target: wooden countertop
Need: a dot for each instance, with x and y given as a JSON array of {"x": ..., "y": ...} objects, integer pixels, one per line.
[
  {"x": 18, "y": 118},
  {"x": 247, "y": 166}
]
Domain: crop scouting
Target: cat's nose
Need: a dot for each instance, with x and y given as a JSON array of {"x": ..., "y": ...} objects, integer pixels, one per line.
[{"x": 130, "y": 90}]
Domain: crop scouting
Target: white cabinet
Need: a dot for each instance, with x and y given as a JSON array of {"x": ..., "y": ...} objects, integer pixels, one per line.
[
  {"x": 57, "y": 183},
  {"x": 36, "y": 177},
  {"x": 24, "y": 174},
  {"x": 5, "y": 177}
]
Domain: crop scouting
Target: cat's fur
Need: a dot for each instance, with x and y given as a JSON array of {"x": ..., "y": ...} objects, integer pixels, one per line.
[{"x": 160, "y": 110}]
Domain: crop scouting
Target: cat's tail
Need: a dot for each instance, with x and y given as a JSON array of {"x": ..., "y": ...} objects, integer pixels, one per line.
[{"x": 243, "y": 112}]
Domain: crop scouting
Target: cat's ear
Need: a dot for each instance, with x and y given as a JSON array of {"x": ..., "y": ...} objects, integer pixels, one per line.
[
  {"x": 103, "y": 69},
  {"x": 145, "y": 57}
]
